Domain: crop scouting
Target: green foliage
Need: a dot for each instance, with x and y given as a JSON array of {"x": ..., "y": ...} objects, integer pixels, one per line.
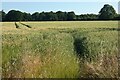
[
  {"x": 61, "y": 15},
  {"x": 107, "y": 12},
  {"x": 27, "y": 17},
  {"x": 50, "y": 16},
  {"x": 87, "y": 17},
  {"x": 35, "y": 16},
  {"x": 42, "y": 16},
  {"x": 117, "y": 17},
  {"x": 2, "y": 15},
  {"x": 14, "y": 15},
  {"x": 71, "y": 16}
]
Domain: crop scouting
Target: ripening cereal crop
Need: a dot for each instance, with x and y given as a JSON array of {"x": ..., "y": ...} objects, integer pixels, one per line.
[{"x": 60, "y": 49}]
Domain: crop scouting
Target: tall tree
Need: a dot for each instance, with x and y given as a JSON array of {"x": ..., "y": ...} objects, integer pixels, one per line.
[
  {"x": 14, "y": 15},
  {"x": 42, "y": 16},
  {"x": 61, "y": 15},
  {"x": 71, "y": 16},
  {"x": 51, "y": 16},
  {"x": 2, "y": 15},
  {"x": 27, "y": 16},
  {"x": 35, "y": 16},
  {"x": 107, "y": 12}
]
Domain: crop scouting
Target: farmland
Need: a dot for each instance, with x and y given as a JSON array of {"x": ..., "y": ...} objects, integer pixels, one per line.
[{"x": 69, "y": 49}]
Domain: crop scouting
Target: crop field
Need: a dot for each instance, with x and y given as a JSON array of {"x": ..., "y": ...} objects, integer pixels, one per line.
[{"x": 69, "y": 49}]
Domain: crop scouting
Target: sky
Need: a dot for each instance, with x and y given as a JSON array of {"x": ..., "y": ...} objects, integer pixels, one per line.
[
  {"x": 60, "y": 0},
  {"x": 77, "y": 7}
]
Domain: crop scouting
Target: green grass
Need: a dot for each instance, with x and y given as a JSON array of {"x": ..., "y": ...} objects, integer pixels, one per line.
[{"x": 60, "y": 49}]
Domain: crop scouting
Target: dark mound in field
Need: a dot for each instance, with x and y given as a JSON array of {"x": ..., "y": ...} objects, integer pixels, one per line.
[
  {"x": 16, "y": 25},
  {"x": 26, "y": 25},
  {"x": 109, "y": 29}
]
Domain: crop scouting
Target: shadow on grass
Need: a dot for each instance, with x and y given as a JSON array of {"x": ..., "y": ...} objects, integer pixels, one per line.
[
  {"x": 108, "y": 29},
  {"x": 80, "y": 47},
  {"x": 26, "y": 25},
  {"x": 17, "y": 25}
]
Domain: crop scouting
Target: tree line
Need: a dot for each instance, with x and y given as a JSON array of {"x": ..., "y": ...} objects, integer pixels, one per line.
[{"x": 106, "y": 13}]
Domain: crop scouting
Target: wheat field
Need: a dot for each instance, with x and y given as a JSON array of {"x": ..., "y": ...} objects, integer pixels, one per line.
[{"x": 60, "y": 49}]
